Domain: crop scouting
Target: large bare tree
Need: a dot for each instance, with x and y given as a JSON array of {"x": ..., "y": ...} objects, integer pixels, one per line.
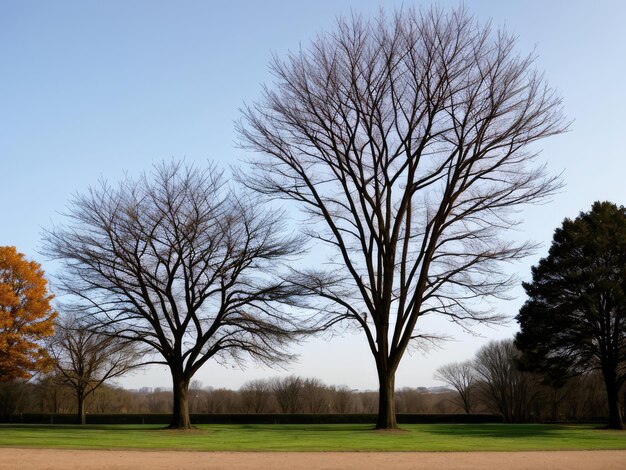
[
  {"x": 86, "y": 359},
  {"x": 407, "y": 142},
  {"x": 178, "y": 261}
]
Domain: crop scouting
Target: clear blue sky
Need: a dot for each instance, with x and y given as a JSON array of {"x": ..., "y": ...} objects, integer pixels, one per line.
[{"x": 91, "y": 89}]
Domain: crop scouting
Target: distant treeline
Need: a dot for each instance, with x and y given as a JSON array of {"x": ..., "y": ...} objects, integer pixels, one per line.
[
  {"x": 582, "y": 399},
  {"x": 252, "y": 418}
]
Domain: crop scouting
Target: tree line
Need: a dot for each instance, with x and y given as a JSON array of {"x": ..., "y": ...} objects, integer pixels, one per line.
[
  {"x": 492, "y": 382},
  {"x": 521, "y": 400}
]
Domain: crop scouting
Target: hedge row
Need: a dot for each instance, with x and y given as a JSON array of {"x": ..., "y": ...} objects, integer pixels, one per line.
[{"x": 251, "y": 418}]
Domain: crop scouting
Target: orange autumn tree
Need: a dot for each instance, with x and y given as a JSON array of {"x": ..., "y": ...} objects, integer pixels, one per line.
[{"x": 26, "y": 316}]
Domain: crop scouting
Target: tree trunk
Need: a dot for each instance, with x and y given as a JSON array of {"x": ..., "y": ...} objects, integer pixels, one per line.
[
  {"x": 612, "y": 392},
  {"x": 386, "y": 401},
  {"x": 180, "y": 410},
  {"x": 81, "y": 416}
]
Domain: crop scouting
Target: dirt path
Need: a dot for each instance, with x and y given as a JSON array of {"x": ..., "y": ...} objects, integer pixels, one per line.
[{"x": 54, "y": 459}]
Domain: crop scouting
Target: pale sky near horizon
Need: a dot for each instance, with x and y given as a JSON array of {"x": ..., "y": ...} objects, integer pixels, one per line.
[{"x": 90, "y": 90}]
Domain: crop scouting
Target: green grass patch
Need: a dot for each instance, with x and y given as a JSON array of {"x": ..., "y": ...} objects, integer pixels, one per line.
[{"x": 323, "y": 437}]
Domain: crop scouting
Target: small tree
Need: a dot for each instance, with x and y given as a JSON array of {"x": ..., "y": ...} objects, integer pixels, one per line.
[
  {"x": 255, "y": 395},
  {"x": 575, "y": 317},
  {"x": 289, "y": 393},
  {"x": 506, "y": 389},
  {"x": 85, "y": 359},
  {"x": 178, "y": 261},
  {"x": 315, "y": 395},
  {"x": 342, "y": 397},
  {"x": 26, "y": 316},
  {"x": 405, "y": 139},
  {"x": 460, "y": 376}
]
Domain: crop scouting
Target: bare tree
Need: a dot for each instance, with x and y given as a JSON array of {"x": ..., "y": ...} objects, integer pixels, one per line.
[
  {"x": 85, "y": 359},
  {"x": 460, "y": 376},
  {"x": 289, "y": 393},
  {"x": 196, "y": 395},
  {"x": 220, "y": 400},
  {"x": 406, "y": 142},
  {"x": 255, "y": 395},
  {"x": 342, "y": 398},
  {"x": 506, "y": 389},
  {"x": 315, "y": 396},
  {"x": 177, "y": 261}
]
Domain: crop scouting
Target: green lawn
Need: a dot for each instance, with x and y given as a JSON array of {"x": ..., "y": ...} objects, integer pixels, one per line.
[{"x": 327, "y": 437}]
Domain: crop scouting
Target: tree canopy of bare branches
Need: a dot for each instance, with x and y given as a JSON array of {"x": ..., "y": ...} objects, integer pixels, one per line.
[
  {"x": 407, "y": 142},
  {"x": 85, "y": 359},
  {"x": 460, "y": 376},
  {"x": 255, "y": 395},
  {"x": 508, "y": 389},
  {"x": 178, "y": 261},
  {"x": 288, "y": 392}
]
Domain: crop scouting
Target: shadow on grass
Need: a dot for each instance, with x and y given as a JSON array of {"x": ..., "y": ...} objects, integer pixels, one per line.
[
  {"x": 277, "y": 428},
  {"x": 496, "y": 430},
  {"x": 342, "y": 427},
  {"x": 460, "y": 431},
  {"x": 86, "y": 427}
]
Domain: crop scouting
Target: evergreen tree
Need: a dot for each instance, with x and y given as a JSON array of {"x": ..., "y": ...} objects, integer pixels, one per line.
[{"x": 573, "y": 320}]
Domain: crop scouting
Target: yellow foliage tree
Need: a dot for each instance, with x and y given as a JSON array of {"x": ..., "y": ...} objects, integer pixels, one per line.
[{"x": 26, "y": 316}]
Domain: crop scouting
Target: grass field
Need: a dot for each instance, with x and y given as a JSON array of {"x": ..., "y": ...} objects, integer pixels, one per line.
[{"x": 327, "y": 437}]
